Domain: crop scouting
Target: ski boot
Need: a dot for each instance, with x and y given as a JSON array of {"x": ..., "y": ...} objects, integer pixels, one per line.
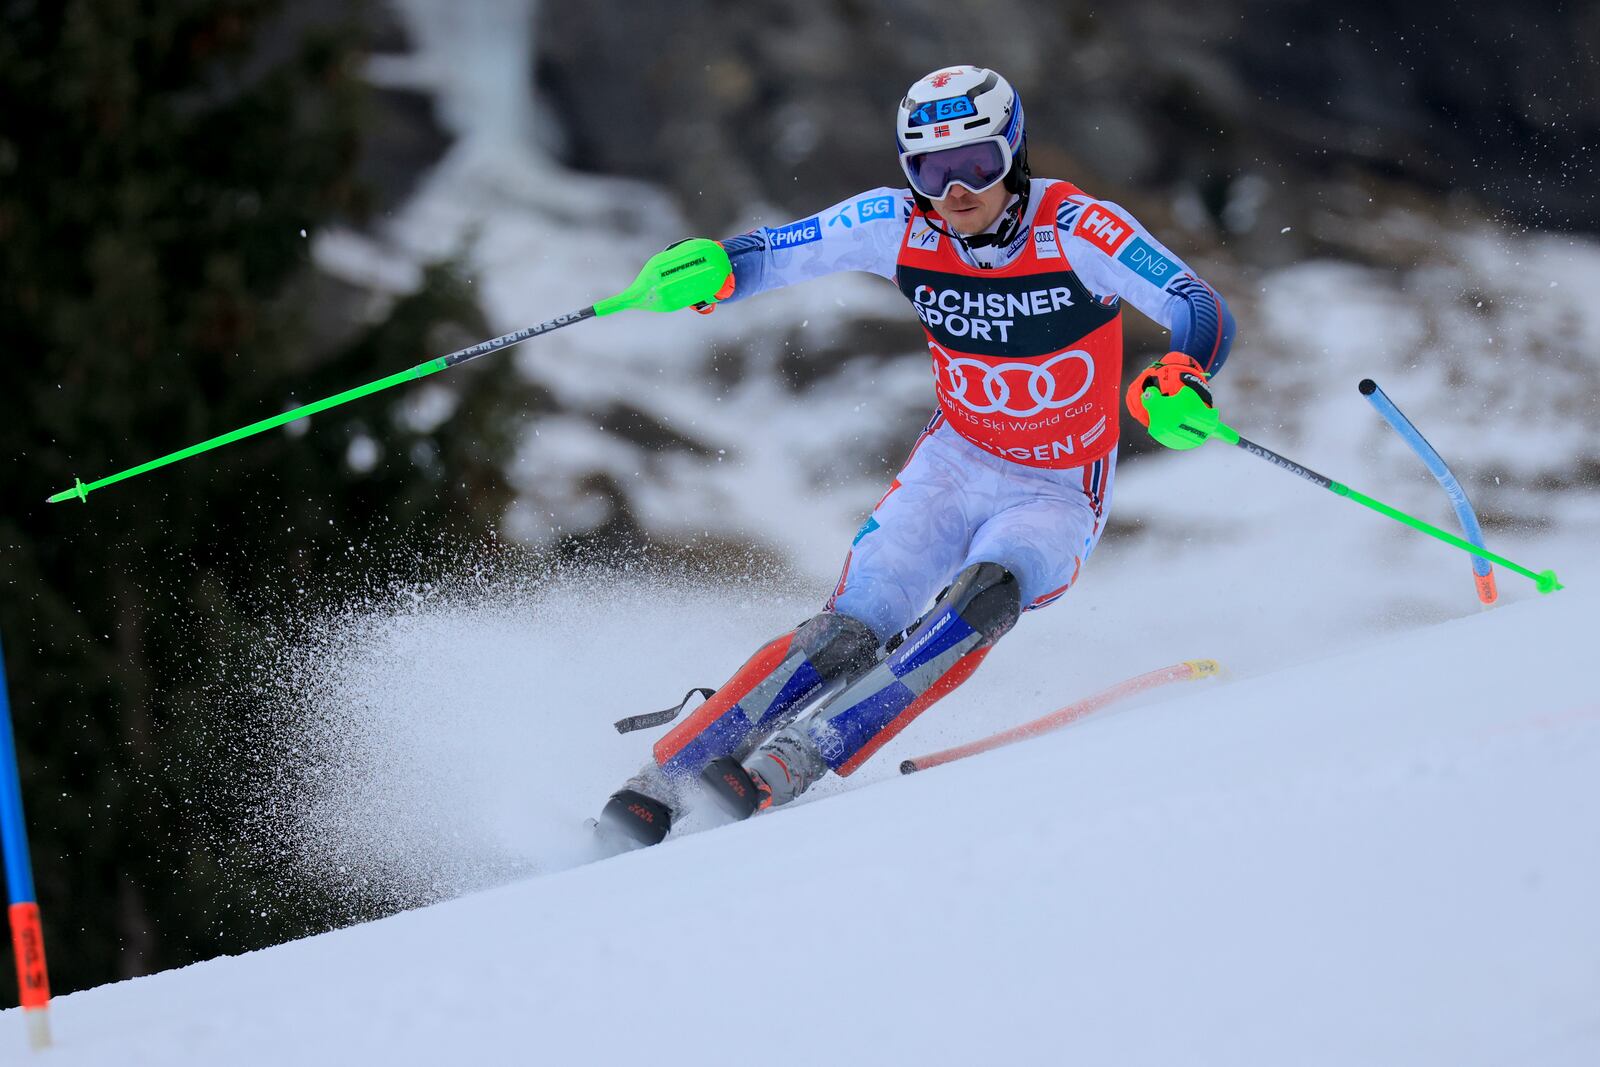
[
  {"x": 781, "y": 769},
  {"x": 843, "y": 732},
  {"x": 784, "y": 677},
  {"x": 640, "y": 813}
]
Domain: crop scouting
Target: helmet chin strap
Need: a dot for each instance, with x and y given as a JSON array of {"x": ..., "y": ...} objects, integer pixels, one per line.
[{"x": 1010, "y": 223}]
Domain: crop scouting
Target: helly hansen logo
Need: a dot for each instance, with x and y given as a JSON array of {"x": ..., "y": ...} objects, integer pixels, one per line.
[{"x": 1103, "y": 229}]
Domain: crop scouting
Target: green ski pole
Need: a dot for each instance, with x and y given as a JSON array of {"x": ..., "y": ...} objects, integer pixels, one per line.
[
  {"x": 1184, "y": 421},
  {"x": 689, "y": 273}
]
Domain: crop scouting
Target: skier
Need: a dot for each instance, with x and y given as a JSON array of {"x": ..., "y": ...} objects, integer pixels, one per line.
[{"x": 1019, "y": 284}]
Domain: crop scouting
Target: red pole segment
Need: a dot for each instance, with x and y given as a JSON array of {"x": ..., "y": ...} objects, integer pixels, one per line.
[{"x": 27, "y": 940}]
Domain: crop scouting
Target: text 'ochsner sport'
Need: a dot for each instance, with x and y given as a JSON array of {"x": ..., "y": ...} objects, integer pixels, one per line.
[{"x": 987, "y": 316}]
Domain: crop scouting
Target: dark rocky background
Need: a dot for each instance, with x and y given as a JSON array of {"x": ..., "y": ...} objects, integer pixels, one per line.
[
  {"x": 156, "y": 167},
  {"x": 736, "y": 103}
]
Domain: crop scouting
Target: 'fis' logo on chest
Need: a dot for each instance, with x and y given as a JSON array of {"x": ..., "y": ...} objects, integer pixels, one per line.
[
  {"x": 1104, "y": 229},
  {"x": 920, "y": 235}
]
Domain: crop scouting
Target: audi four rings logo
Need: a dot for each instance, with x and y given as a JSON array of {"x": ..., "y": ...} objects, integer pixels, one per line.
[{"x": 1005, "y": 387}]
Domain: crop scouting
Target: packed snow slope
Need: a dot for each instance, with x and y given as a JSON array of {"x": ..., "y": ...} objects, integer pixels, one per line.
[{"x": 1387, "y": 855}]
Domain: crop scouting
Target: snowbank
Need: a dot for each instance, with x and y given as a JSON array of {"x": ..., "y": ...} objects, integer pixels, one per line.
[{"x": 1382, "y": 856}]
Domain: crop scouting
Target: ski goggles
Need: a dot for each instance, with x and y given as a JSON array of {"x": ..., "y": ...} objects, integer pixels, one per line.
[{"x": 976, "y": 166}]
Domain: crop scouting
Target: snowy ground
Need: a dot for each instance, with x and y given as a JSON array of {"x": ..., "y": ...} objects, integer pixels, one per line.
[
  {"x": 1381, "y": 856},
  {"x": 1373, "y": 843},
  {"x": 446, "y": 738}
]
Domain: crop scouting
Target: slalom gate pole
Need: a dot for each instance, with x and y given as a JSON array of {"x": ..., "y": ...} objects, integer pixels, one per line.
[
  {"x": 1183, "y": 421},
  {"x": 1178, "y": 672},
  {"x": 27, "y": 937},
  {"x": 1482, "y": 572},
  {"x": 694, "y": 272}
]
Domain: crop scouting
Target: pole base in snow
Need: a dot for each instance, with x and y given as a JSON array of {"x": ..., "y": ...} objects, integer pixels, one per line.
[{"x": 38, "y": 1028}]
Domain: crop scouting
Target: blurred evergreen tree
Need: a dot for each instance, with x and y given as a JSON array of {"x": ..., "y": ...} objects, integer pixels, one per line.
[{"x": 160, "y": 166}]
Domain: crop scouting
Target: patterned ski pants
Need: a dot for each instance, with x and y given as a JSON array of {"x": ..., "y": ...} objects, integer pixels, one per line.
[{"x": 953, "y": 505}]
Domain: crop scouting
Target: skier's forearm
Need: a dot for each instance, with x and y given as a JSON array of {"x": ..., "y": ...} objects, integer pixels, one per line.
[
  {"x": 862, "y": 233},
  {"x": 748, "y": 254},
  {"x": 1112, "y": 252},
  {"x": 1202, "y": 325}
]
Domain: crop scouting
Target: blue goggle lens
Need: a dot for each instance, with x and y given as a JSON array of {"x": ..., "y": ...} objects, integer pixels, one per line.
[{"x": 976, "y": 166}]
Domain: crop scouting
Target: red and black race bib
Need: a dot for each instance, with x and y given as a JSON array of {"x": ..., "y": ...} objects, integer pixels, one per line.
[{"x": 1027, "y": 363}]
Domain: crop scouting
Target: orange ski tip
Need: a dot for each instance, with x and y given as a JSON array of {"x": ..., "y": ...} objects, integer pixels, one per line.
[
  {"x": 1064, "y": 716},
  {"x": 1486, "y": 589}
]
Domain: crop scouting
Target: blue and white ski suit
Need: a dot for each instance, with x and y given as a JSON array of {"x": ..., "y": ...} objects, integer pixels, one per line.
[{"x": 955, "y": 503}]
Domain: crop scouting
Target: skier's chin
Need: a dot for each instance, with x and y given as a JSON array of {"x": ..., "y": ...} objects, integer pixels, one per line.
[
  {"x": 969, "y": 221},
  {"x": 972, "y": 218}
]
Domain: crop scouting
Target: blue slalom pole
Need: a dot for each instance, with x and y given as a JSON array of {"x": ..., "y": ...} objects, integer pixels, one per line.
[
  {"x": 27, "y": 936},
  {"x": 1482, "y": 572}
]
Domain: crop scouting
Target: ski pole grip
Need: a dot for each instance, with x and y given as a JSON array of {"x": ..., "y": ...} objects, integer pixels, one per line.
[
  {"x": 1184, "y": 420},
  {"x": 690, "y": 272}
]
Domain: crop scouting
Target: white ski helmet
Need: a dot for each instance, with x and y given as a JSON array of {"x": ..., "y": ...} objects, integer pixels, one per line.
[{"x": 961, "y": 125}]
